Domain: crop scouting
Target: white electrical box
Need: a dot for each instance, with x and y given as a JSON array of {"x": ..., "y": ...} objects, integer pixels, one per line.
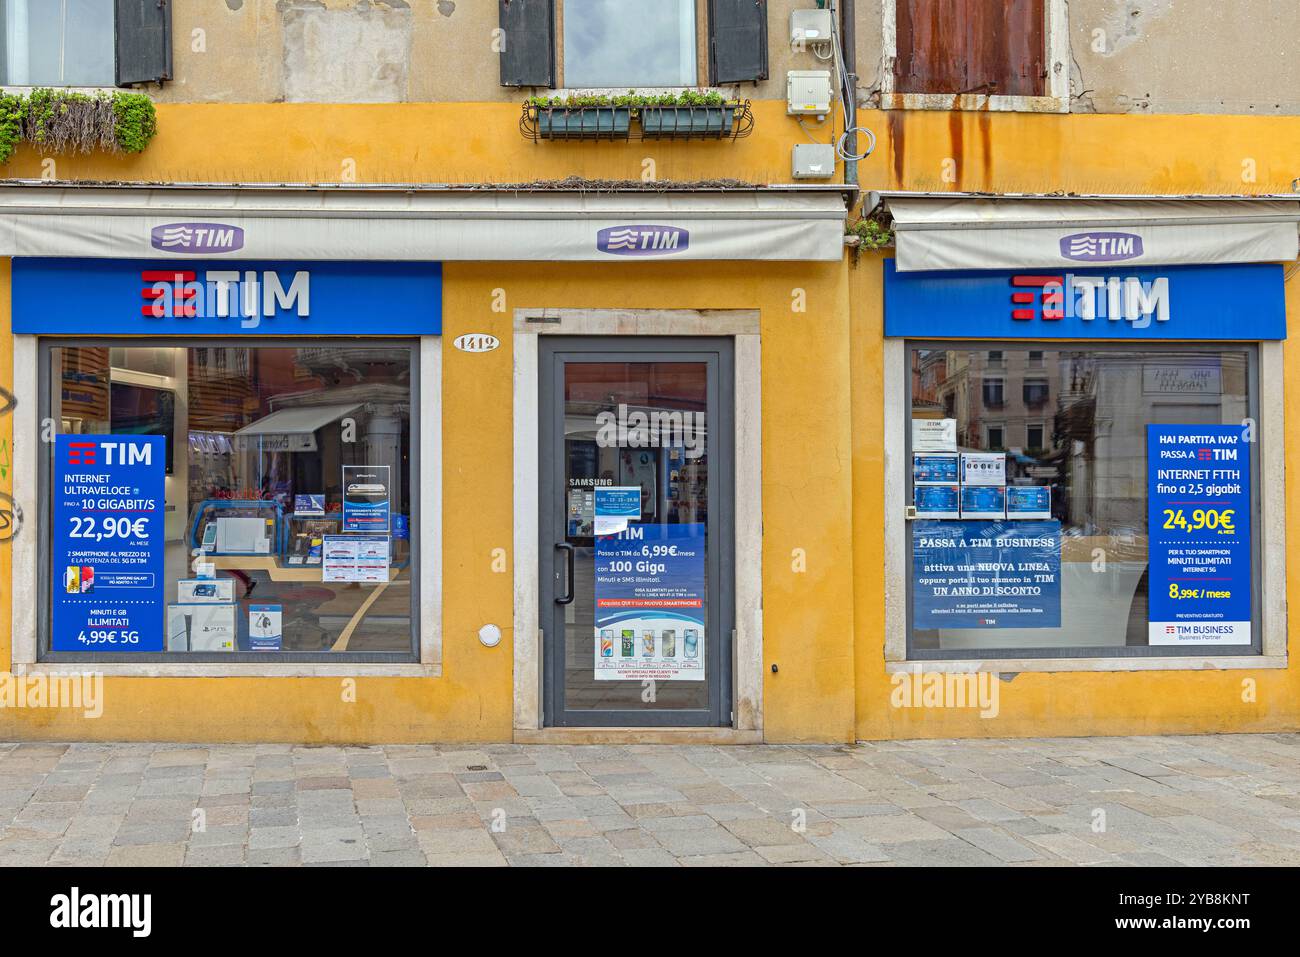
[
  {"x": 813, "y": 161},
  {"x": 810, "y": 27},
  {"x": 808, "y": 92}
]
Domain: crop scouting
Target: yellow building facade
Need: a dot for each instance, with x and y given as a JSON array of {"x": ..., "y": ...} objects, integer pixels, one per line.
[{"x": 815, "y": 597}]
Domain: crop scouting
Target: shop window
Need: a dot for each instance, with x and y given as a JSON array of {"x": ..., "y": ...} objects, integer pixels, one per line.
[
  {"x": 84, "y": 42},
  {"x": 1125, "y": 526},
  {"x": 289, "y": 484},
  {"x": 998, "y": 48},
  {"x": 993, "y": 394}
]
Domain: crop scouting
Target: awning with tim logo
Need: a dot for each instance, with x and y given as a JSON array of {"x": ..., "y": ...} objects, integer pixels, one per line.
[{"x": 951, "y": 231}]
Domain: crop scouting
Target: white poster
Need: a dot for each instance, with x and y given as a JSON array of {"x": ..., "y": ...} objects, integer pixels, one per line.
[
  {"x": 984, "y": 468},
  {"x": 934, "y": 435},
  {"x": 355, "y": 558}
]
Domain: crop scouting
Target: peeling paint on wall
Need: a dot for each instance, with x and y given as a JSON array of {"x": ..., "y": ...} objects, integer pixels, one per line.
[
  {"x": 357, "y": 55},
  {"x": 1127, "y": 24}
]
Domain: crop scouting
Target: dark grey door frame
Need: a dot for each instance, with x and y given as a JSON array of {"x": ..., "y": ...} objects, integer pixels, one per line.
[{"x": 718, "y": 354}]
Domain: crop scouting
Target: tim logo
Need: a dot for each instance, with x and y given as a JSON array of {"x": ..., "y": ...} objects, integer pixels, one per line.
[
  {"x": 642, "y": 240},
  {"x": 1101, "y": 247},
  {"x": 81, "y": 453},
  {"x": 197, "y": 238},
  {"x": 251, "y": 295}
]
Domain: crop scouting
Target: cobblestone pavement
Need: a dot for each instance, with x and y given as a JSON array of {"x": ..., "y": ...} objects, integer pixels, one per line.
[{"x": 1226, "y": 799}]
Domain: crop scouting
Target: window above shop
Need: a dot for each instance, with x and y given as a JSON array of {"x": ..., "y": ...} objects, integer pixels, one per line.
[
  {"x": 617, "y": 45},
  {"x": 84, "y": 43},
  {"x": 966, "y": 54}
]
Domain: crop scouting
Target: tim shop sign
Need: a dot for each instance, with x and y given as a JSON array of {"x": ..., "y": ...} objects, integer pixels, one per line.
[
  {"x": 1237, "y": 301},
  {"x": 643, "y": 240},
  {"x": 197, "y": 239},
  {"x": 226, "y": 297}
]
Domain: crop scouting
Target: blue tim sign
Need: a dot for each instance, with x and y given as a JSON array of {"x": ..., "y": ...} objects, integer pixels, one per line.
[
  {"x": 1198, "y": 518},
  {"x": 986, "y": 574},
  {"x": 108, "y": 544},
  {"x": 225, "y": 297},
  {"x": 1115, "y": 302}
]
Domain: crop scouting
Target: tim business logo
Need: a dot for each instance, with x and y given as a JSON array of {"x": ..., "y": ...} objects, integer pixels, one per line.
[
  {"x": 643, "y": 240},
  {"x": 1101, "y": 247},
  {"x": 197, "y": 239}
]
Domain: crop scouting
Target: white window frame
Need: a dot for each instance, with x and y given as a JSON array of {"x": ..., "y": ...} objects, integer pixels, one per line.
[
  {"x": 27, "y": 563},
  {"x": 22, "y": 88},
  {"x": 701, "y": 44},
  {"x": 1273, "y": 554},
  {"x": 1056, "y": 33}
]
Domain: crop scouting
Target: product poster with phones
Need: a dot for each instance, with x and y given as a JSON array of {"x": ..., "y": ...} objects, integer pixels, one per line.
[
  {"x": 108, "y": 517},
  {"x": 1198, "y": 523},
  {"x": 649, "y": 583}
]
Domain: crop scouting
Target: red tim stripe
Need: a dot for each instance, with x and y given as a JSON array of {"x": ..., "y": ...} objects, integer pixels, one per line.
[
  {"x": 1022, "y": 297},
  {"x": 154, "y": 275},
  {"x": 1036, "y": 280},
  {"x": 1022, "y": 313}
]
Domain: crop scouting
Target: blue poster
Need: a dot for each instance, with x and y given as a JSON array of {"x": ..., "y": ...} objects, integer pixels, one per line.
[
  {"x": 937, "y": 501},
  {"x": 1198, "y": 523},
  {"x": 983, "y": 501},
  {"x": 108, "y": 524},
  {"x": 986, "y": 574},
  {"x": 935, "y": 469},
  {"x": 1029, "y": 501},
  {"x": 650, "y": 603},
  {"x": 367, "y": 491}
]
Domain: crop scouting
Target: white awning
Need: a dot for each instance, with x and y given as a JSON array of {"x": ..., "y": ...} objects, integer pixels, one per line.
[
  {"x": 424, "y": 223},
  {"x": 963, "y": 231},
  {"x": 290, "y": 430}
]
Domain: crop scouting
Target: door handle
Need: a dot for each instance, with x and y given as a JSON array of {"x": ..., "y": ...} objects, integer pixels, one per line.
[{"x": 567, "y": 597}]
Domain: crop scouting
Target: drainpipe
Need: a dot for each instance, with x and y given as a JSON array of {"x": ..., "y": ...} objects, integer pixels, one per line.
[{"x": 849, "y": 42}]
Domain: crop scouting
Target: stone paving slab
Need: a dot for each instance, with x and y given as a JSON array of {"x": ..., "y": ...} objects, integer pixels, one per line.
[{"x": 1142, "y": 801}]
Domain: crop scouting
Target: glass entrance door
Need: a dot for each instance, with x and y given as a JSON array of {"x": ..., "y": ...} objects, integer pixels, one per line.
[{"x": 636, "y": 469}]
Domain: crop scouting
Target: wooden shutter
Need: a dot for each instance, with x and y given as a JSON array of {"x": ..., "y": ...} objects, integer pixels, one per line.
[
  {"x": 143, "y": 33},
  {"x": 528, "y": 35},
  {"x": 737, "y": 41},
  {"x": 997, "y": 47}
]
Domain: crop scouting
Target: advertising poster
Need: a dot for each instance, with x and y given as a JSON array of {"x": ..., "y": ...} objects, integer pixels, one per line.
[
  {"x": 108, "y": 540},
  {"x": 265, "y": 627},
  {"x": 650, "y": 602},
  {"x": 1198, "y": 521},
  {"x": 983, "y": 501},
  {"x": 983, "y": 468},
  {"x": 308, "y": 506},
  {"x": 355, "y": 558},
  {"x": 934, "y": 435},
  {"x": 938, "y": 501},
  {"x": 930, "y": 469},
  {"x": 1029, "y": 501},
  {"x": 366, "y": 498},
  {"x": 986, "y": 574}
]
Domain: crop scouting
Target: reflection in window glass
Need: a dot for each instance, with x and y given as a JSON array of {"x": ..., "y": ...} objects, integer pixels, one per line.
[
  {"x": 57, "y": 43},
  {"x": 1083, "y": 417},
  {"x": 263, "y": 446},
  {"x": 614, "y": 43}
]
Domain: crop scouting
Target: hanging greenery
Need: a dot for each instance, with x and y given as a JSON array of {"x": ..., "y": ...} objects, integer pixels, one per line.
[{"x": 62, "y": 121}]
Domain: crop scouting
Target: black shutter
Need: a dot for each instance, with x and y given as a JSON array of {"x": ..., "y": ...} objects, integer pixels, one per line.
[
  {"x": 528, "y": 38},
  {"x": 144, "y": 41},
  {"x": 737, "y": 41}
]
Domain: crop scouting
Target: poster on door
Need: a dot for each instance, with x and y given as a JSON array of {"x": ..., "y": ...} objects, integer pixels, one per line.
[
  {"x": 649, "y": 620},
  {"x": 108, "y": 540},
  {"x": 1198, "y": 523}
]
